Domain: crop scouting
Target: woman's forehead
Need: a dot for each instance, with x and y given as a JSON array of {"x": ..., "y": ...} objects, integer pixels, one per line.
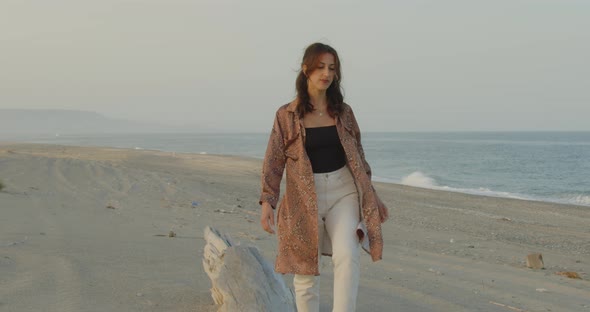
[{"x": 327, "y": 59}]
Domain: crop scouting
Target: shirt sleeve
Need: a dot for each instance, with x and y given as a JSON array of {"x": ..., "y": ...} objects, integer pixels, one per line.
[{"x": 273, "y": 166}]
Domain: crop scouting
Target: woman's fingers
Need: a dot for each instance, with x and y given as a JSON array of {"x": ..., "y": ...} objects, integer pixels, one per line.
[
  {"x": 266, "y": 226},
  {"x": 267, "y": 219},
  {"x": 270, "y": 224},
  {"x": 265, "y": 222},
  {"x": 383, "y": 211}
]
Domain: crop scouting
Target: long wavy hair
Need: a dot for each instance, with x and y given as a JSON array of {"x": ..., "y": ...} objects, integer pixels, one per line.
[{"x": 311, "y": 59}]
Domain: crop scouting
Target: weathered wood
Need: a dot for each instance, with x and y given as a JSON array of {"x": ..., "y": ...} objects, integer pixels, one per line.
[{"x": 242, "y": 280}]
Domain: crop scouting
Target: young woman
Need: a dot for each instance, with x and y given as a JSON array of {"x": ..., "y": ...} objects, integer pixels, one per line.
[{"x": 330, "y": 206}]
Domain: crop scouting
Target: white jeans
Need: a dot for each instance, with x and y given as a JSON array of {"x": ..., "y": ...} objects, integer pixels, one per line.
[{"x": 338, "y": 214}]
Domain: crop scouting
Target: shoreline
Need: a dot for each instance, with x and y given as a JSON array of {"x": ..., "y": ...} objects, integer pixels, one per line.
[
  {"x": 377, "y": 179},
  {"x": 478, "y": 193}
]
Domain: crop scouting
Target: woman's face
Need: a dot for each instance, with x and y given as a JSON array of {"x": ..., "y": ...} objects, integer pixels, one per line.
[{"x": 322, "y": 76}]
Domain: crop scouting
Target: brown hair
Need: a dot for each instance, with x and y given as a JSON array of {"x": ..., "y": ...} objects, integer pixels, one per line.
[{"x": 311, "y": 60}]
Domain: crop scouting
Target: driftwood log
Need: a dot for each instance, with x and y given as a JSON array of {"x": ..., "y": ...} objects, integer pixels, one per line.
[{"x": 242, "y": 280}]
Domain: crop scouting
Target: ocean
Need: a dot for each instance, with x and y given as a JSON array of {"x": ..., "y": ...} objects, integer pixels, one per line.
[{"x": 542, "y": 166}]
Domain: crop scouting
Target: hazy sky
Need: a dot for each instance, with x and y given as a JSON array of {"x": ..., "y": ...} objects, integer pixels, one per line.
[{"x": 228, "y": 65}]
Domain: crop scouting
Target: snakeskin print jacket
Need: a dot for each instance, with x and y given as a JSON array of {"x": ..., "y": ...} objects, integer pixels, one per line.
[{"x": 296, "y": 218}]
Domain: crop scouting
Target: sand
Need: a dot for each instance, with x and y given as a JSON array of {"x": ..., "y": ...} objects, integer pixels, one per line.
[{"x": 86, "y": 229}]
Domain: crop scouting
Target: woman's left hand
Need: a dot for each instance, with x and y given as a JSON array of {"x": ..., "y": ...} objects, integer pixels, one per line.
[{"x": 383, "y": 211}]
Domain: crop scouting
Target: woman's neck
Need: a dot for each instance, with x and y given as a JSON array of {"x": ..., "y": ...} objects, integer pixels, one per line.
[{"x": 318, "y": 99}]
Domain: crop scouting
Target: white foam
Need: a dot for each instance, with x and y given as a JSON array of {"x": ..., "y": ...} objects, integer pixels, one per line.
[
  {"x": 419, "y": 179},
  {"x": 485, "y": 191},
  {"x": 580, "y": 200},
  {"x": 203, "y": 153}
]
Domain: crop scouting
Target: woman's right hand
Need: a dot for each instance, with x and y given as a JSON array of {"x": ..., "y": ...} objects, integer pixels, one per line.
[{"x": 267, "y": 218}]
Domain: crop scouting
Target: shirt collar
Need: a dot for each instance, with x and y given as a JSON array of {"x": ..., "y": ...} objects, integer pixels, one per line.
[{"x": 293, "y": 106}]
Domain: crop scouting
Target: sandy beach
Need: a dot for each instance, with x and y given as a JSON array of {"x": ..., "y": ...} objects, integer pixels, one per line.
[{"x": 87, "y": 229}]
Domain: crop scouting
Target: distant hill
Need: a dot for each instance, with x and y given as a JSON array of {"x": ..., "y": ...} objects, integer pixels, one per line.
[{"x": 56, "y": 121}]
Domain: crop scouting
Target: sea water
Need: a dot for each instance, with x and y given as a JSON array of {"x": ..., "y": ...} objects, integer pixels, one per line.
[{"x": 543, "y": 166}]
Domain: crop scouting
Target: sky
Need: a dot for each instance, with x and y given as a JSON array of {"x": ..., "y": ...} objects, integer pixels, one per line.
[{"x": 501, "y": 65}]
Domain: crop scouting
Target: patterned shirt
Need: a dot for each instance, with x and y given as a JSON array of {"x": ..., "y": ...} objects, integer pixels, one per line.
[{"x": 297, "y": 211}]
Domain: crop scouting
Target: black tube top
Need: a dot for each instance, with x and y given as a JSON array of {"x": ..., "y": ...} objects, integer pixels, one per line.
[{"x": 324, "y": 149}]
